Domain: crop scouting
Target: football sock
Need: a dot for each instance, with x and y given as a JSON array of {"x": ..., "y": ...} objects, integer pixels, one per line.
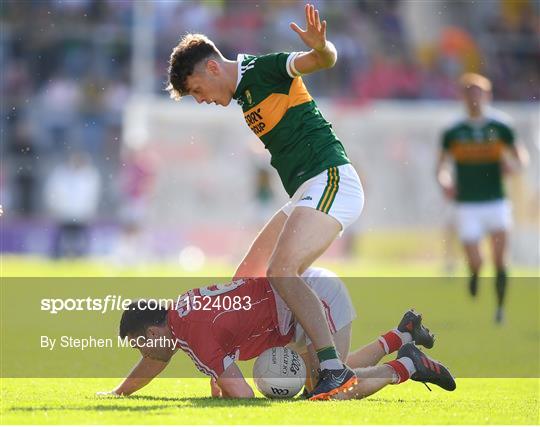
[
  {"x": 473, "y": 284},
  {"x": 393, "y": 340},
  {"x": 403, "y": 368},
  {"x": 328, "y": 358},
  {"x": 500, "y": 286}
]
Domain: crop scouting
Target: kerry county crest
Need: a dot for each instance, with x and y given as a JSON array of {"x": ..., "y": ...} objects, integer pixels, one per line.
[{"x": 248, "y": 97}]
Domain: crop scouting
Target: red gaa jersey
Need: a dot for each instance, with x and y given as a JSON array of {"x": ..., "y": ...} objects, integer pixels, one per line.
[{"x": 219, "y": 324}]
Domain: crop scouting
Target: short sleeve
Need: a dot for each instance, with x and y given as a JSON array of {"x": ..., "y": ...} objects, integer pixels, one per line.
[
  {"x": 277, "y": 66},
  {"x": 446, "y": 140},
  {"x": 507, "y": 135}
]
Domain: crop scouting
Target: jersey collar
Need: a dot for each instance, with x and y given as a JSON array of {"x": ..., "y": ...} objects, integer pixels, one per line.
[{"x": 239, "y": 59}]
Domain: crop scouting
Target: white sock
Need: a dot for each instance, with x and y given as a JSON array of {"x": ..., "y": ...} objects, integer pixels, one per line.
[
  {"x": 405, "y": 336},
  {"x": 332, "y": 364},
  {"x": 408, "y": 363}
]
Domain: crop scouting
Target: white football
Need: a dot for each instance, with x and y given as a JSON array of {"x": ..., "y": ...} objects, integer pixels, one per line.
[{"x": 279, "y": 373}]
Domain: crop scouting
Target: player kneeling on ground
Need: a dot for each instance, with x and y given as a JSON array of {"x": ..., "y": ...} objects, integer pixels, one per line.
[{"x": 217, "y": 336}]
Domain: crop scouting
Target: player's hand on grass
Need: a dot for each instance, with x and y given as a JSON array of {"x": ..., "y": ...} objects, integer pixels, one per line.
[
  {"x": 108, "y": 393},
  {"x": 314, "y": 36},
  {"x": 215, "y": 389}
]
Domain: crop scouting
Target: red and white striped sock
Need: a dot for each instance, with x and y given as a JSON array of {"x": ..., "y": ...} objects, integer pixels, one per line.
[
  {"x": 403, "y": 368},
  {"x": 393, "y": 340}
]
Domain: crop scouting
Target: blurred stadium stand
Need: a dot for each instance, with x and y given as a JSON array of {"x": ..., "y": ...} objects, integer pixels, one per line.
[{"x": 69, "y": 69}]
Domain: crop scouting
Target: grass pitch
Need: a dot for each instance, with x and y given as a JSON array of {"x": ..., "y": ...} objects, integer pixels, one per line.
[{"x": 186, "y": 401}]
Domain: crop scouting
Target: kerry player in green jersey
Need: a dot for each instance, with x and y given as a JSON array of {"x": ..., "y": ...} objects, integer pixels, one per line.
[
  {"x": 326, "y": 193},
  {"x": 483, "y": 148}
]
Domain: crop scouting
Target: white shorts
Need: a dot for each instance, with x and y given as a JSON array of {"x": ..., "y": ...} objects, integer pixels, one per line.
[
  {"x": 475, "y": 219},
  {"x": 335, "y": 299},
  {"x": 336, "y": 191}
]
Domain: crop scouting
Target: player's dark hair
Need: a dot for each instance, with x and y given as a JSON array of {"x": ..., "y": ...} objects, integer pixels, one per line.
[
  {"x": 138, "y": 316},
  {"x": 192, "y": 49}
]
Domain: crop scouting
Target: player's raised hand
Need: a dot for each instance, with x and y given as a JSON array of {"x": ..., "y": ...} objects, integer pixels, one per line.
[{"x": 314, "y": 36}]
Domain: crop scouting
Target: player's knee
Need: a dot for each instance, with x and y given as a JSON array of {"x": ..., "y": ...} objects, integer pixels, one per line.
[
  {"x": 281, "y": 268},
  {"x": 475, "y": 264}
]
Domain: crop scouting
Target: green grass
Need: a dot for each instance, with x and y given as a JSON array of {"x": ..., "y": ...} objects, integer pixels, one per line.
[
  {"x": 174, "y": 401},
  {"x": 468, "y": 343}
]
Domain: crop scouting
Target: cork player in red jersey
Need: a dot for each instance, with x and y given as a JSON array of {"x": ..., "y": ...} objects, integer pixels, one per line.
[{"x": 255, "y": 319}]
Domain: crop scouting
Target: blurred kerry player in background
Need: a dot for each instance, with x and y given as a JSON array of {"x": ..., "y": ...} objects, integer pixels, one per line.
[
  {"x": 326, "y": 193},
  {"x": 215, "y": 338},
  {"x": 483, "y": 148}
]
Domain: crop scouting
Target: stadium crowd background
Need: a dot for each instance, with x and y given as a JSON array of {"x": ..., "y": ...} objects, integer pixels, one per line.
[{"x": 66, "y": 75}]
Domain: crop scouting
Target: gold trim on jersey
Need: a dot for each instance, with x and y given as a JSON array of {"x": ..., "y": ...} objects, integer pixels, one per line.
[
  {"x": 264, "y": 116},
  {"x": 473, "y": 152}
]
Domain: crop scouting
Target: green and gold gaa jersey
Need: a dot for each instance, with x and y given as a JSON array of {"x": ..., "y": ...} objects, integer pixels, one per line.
[
  {"x": 477, "y": 149},
  {"x": 279, "y": 110}
]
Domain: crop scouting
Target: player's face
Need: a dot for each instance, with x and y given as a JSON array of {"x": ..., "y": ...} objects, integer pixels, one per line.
[
  {"x": 151, "y": 346},
  {"x": 474, "y": 98},
  {"x": 207, "y": 84}
]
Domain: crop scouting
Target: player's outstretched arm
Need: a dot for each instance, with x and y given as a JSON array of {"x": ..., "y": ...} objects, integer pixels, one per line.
[
  {"x": 323, "y": 54},
  {"x": 444, "y": 177},
  {"x": 143, "y": 372},
  {"x": 233, "y": 384},
  {"x": 519, "y": 159}
]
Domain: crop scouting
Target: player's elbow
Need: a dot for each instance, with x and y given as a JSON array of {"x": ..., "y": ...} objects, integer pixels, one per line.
[
  {"x": 328, "y": 61},
  {"x": 244, "y": 394},
  {"x": 235, "y": 387},
  {"x": 281, "y": 268},
  {"x": 522, "y": 156},
  {"x": 333, "y": 60},
  {"x": 331, "y": 57},
  {"x": 243, "y": 391},
  {"x": 330, "y": 64}
]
